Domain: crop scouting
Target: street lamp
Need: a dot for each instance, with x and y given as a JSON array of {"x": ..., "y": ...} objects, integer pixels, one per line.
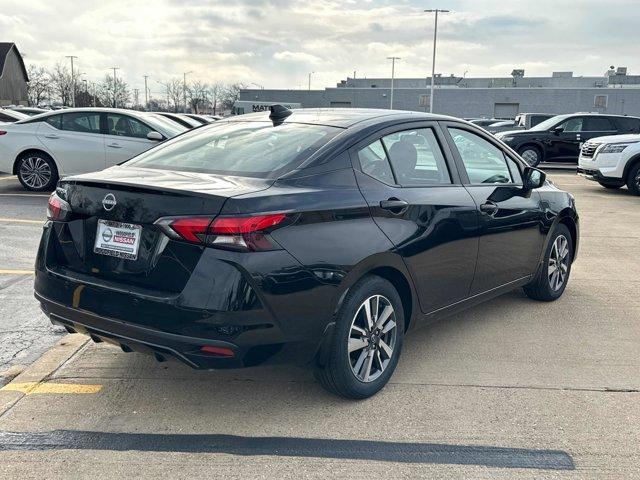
[
  {"x": 310, "y": 80},
  {"x": 146, "y": 93},
  {"x": 393, "y": 70},
  {"x": 115, "y": 88},
  {"x": 73, "y": 81},
  {"x": 184, "y": 88},
  {"x": 433, "y": 62}
]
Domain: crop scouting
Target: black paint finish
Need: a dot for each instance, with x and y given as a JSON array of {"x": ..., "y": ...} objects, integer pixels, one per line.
[
  {"x": 365, "y": 450},
  {"x": 443, "y": 252}
]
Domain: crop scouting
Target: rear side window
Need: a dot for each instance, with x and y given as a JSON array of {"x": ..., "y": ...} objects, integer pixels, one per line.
[
  {"x": 598, "y": 124},
  {"x": 251, "y": 149},
  {"x": 55, "y": 121},
  {"x": 483, "y": 161},
  {"x": 629, "y": 125},
  {"x": 416, "y": 157},
  {"x": 373, "y": 161},
  {"x": 84, "y": 122}
]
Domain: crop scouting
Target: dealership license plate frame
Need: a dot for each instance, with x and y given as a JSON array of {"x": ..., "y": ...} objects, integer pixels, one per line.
[{"x": 106, "y": 243}]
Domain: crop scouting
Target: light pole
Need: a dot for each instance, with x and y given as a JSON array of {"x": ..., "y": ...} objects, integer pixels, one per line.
[
  {"x": 184, "y": 88},
  {"x": 166, "y": 85},
  {"x": 310, "y": 73},
  {"x": 73, "y": 81},
  {"x": 115, "y": 89},
  {"x": 393, "y": 71},
  {"x": 433, "y": 62},
  {"x": 146, "y": 93}
]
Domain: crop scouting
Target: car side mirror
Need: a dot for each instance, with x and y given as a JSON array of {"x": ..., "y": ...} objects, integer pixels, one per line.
[
  {"x": 557, "y": 130},
  {"x": 156, "y": 136},
  {"x": 533, "y": 178}
]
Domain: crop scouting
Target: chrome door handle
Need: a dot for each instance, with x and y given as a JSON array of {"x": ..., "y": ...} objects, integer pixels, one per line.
[
  {"x": 394, "y": 205},
  {"x": 489, "y": 208},
  {"x": 51, "y": 135},
  {"x": 114, "y": 145}
]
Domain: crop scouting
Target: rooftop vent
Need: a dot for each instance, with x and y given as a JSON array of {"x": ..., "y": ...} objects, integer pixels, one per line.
[
  {"x": 562, "y": 74},
  {"x": 517, "y": 73},
  {"x": 621, "y": 71}
]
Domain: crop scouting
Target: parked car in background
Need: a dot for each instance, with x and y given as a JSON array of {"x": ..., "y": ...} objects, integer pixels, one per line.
[
  {"x": 320, "y": 237},
  {"x": 30, "y": 111},
  {"x": 485, "y": 122},
  {"x": 559, "y": 138},
  {"x": 10, "y": 116},
  {"x": 43, "y": 148},
  {"x": 199, "y": 118},
  {"x": 612, "y": 161},
  {"x": 214, "y": 118},
  {"x": 501, "y": 126},
  {"x": 524, "y": 121},
  {"x": 181, "y": 119}
]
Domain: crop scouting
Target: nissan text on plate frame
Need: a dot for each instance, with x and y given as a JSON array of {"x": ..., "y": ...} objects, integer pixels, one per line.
[{"x": 319, "y": 237}]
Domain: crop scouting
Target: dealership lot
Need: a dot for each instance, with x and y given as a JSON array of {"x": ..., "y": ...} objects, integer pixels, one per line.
[{"x": 511, "y": 388}]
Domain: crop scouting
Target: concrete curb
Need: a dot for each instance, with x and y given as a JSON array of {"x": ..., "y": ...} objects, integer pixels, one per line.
[{"x": 43, "y": 368}]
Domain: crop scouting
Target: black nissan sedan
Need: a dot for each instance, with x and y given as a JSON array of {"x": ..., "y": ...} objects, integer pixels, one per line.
[{"x": 314, "y": 236}]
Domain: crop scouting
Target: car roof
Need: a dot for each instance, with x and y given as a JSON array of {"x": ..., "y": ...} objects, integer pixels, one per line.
[
  {"x": 123, "y": 111},
  {"x": 340, "y": 117}
]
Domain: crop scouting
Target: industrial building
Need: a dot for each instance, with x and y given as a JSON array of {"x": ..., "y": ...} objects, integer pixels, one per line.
[
  {"x": 13, "y": 76},
  {"x": 615, "y": 92}
]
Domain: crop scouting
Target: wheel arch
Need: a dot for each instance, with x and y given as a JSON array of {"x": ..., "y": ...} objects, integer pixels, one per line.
[
  {"x": 632, "y": 162},
  {"x": 33, "y": 150}
]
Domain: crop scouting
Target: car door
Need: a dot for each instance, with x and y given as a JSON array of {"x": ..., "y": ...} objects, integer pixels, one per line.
[
  {"x": 126, "y": 137},
  {"x": 511, "y": 221},
  {"x": 75, "y": 141},
  {"x": 564, "y": 140},
  {"x": 418, "y": 202}
]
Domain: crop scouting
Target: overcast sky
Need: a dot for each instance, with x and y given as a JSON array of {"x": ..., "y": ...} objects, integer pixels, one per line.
[{"x": 276, "y": 43}]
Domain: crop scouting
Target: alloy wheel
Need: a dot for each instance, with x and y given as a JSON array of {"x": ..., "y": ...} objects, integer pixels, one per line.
[
  {"x": 35, "y": 172},
  {"x": 558, "y": 263},
  {"x": 372, "y": 338},
  {"x": 637, "y": 180},
  {"x": 530, "y": 156}
]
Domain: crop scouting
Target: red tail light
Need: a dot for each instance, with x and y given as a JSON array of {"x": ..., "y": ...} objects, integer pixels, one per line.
[
  {"x": 57, "y": 209},
  {"x": 3, "y": 132},
  {"x": 218, "y": 351},
  {"x": 236, "y": 233}
]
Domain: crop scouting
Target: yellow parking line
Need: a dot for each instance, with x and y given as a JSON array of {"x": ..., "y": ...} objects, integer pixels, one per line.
[
  {"x": 8, "y": 178},
  {"x": 16, "y": 272},
  {"x": 19, "y": 220},
  {"x": 29, "y": 388}
]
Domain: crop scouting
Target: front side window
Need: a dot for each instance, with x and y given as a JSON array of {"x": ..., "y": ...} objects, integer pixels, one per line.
[
  {"x": 572, "y": 125},
  {"x": 84, "y": 122},
  {"x": 416, "y": 157},
  {"x": 373, "y": 162},
  {"x": 483, "y": 161},
  {"x": 251, "y": 149},
  {"x": 125, "y": 126}
]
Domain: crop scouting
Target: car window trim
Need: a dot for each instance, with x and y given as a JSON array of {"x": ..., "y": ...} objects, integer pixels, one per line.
[
  {"x": 507, "y": 153},
  {"x": 437, "y": 130}
]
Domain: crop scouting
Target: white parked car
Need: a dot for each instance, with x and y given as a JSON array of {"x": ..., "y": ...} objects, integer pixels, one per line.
[
  {"x": 10, "y": 116},
  {"x": 612, "y": 161},
  {"x": 46, "y": 147}
]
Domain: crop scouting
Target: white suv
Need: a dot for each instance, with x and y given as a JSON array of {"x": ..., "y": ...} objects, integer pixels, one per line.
[{"x": 612, "y": 161}]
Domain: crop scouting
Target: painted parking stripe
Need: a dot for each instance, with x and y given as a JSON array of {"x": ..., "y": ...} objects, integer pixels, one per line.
[
  {"x": 20, "y": 220},
  {"x": 29, "y": 388},
  {"x": 8, "y": 178},
  {"x": 15, "y": 272}
]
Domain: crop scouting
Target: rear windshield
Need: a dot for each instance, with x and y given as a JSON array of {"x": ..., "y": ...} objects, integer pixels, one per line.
[{"x": 250, "y": 149}]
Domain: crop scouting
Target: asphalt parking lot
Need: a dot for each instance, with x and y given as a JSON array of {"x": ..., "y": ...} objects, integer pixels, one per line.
[{"x": 514, "y": 388}]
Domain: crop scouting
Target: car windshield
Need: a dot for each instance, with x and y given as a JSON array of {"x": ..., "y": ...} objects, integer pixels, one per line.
[
  {"x": 548, "y": 123},
  {"x": 251, "y": 149}
]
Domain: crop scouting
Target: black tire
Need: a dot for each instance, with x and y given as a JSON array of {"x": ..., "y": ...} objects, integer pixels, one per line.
[
  {"x": 610, "y": 186},
  {"x": 633, "y": 179},
  {"x": 37, "y": 171},
  {"x": 541, "y": 287},
  {"x": 531, "y": 150},
  {"x": 337, "y": 374}
]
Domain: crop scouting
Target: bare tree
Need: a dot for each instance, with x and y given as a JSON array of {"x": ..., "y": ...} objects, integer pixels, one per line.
[
  {"x": 117, "y": 95},
  {"x": 39, "y": 86},
  {"x": 215, "y": 92},
  {"x": 174, "y": 93},
  {"x": 61, "y": 83},
  {"x": 230, "y": 94},
  {"x": 197, "y": 95}
]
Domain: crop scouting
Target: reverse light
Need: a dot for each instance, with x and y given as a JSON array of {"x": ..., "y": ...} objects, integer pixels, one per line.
[
  {"x": 235, "y": 233},
  {"x": 57, "y": 209}
]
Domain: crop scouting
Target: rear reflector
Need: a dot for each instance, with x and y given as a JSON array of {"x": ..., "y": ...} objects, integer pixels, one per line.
[{"x": 219, "y": 351}]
